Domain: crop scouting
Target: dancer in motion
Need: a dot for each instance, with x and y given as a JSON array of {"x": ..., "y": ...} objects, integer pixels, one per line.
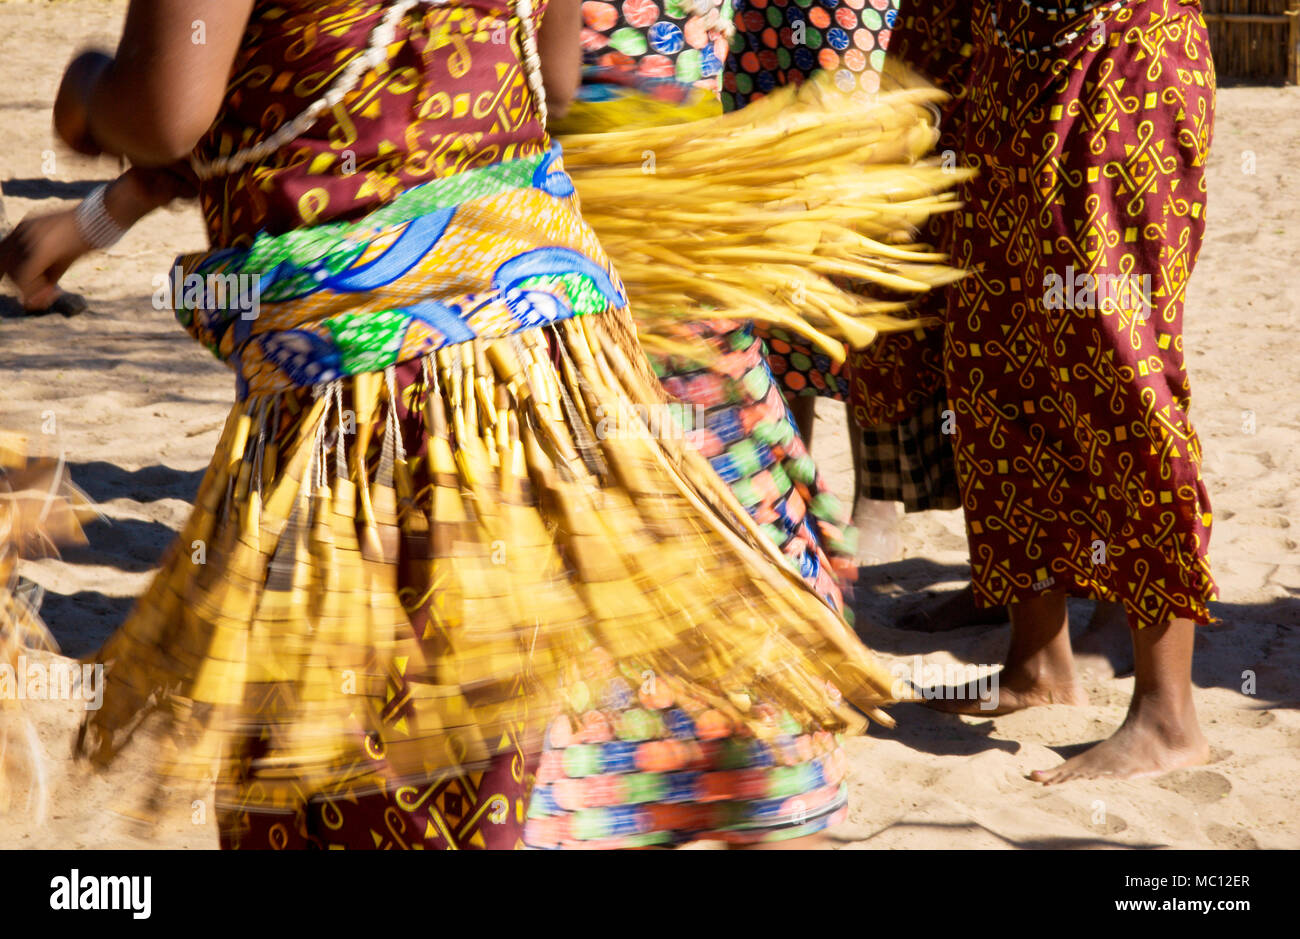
[{"x": 436, "y": 520}]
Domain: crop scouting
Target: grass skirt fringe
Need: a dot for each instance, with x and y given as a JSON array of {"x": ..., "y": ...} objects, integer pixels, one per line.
[
  {"x": 799, "y": 211},
  {"x": 385, "y": 575},
  {"x": 39, "y": 510}
]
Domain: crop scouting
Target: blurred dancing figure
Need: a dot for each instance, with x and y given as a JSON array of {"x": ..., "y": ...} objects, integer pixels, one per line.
[{"x": 438, "y": 522}]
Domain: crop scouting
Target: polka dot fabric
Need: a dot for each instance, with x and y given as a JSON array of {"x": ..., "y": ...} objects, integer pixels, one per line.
[
  {"x": 681, "y": 40},
  {"x": 801, "y": 369},
  {"x": 781, "y": 42}
]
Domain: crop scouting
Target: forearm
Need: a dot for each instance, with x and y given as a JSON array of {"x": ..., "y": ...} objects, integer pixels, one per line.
[
  {"x": 560, "y": 48},
  {"x": 139, "y": 191}
]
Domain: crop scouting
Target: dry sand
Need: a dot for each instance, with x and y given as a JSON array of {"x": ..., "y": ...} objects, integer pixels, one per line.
[{"x": 136, "y": 406}]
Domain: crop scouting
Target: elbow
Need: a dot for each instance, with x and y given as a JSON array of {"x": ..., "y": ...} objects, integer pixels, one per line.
[
  {"x": 151, "y": 155},
  {"x": 162, "y": 123},
  {"x": 163, "y": 143},
  {"x": 559, "y": 95},
  {"x": 561, "y": 88}
]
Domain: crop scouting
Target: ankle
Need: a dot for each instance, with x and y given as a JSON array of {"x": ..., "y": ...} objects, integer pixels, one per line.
[
  {"x": 1171, "y": 715},
  {"x": 1044, "y": 667}
]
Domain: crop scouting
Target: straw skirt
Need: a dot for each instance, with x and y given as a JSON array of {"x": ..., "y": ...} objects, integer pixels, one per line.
[{"x": 395, "y": 584}]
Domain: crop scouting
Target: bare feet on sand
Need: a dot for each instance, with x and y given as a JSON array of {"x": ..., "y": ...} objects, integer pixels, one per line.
[
  {"x": 1039, "y": 667},
  {"x": 1143, "y": 746},
  {"x": 1160, "y": 732},
  {"x": 1002, "y": 696}
]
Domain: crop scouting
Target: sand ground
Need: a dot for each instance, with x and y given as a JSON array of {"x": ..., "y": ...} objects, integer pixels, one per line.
[{"x": 135, "y": 406}]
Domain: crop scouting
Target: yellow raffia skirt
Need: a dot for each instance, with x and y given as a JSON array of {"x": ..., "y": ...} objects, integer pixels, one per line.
[{"x": 387, "y": 575}]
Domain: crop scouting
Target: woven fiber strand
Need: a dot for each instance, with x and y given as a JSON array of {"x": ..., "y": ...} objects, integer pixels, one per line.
[
  {"x": 39, "y": 509},
  {"x": 799, "y": 211}
]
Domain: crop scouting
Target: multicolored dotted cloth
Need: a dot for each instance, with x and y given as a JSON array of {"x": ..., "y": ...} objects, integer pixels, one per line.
[
  {"x": 801, "y": 369},
  {"x": 771, "y": 42},
  {"x": 779, "y": 42},
  {"x": 679, "y": 39},
  {"x": 638, "y": 766}
]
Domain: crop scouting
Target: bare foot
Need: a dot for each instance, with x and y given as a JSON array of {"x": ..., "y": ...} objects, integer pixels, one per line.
[
  {"x": 953, "y": 612},
  {"x": 1105, "y": 649},
  {"x": 1139, "y": 748},
  {"x": 995, "y": 695},
  {"x": 1160, "y": 732},
  {"x": 1039, "y": 668}
]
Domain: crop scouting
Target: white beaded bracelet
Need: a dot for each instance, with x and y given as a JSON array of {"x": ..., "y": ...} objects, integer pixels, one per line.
[{"x": 95, "y": 226}]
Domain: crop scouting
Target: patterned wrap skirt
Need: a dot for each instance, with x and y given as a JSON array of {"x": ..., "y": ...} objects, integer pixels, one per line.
[
  {"x": 739, "y": 419},
  {"x": 1079, "y": 468}
]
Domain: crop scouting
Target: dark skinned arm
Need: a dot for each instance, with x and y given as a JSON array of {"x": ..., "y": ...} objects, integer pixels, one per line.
[
  {"x": 158, "y": 95},
  {"x": 42, "y": 248},
  {"x": 559, "y": 43}
]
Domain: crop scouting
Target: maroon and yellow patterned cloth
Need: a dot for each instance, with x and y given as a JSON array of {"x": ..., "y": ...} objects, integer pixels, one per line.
[
  {"x": 452, "y": 97},
  {"x": 1079, "y": 468}
]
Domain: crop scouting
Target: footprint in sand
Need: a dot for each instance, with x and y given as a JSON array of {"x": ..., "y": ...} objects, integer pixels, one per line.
[
  {"x": 1253, "y": 720},
  {"x": 1196, "y": 785},
  {"x": 1224, "y": 837},
  {"x": 1094, "y": 816}
]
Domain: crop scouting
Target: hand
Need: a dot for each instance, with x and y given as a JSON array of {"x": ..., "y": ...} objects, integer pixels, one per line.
[
  {"x": 38, "y": 252},
  {"x": 71, "y": 106}
]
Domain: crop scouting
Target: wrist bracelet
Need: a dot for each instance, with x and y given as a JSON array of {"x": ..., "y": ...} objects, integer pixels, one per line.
[{"x": 95, "y": 226}]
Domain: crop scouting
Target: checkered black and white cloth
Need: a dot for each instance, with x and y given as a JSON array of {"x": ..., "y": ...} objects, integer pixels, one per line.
[{"x": 911, "y": 461}]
